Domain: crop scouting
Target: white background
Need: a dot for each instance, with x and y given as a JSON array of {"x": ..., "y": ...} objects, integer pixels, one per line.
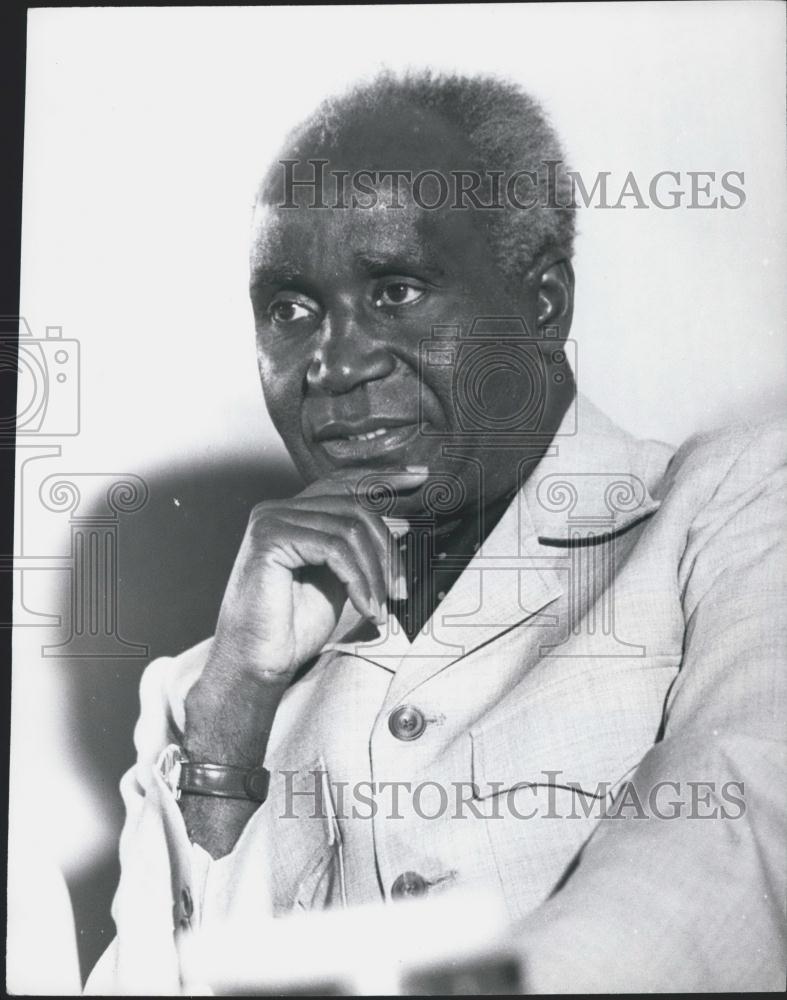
[{"x": 146, "y": 130}]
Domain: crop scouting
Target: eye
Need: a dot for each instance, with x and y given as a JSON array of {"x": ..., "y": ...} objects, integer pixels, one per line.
[
  {"x": 287, "y": 311},
  {"x": 398, "y": 293}
]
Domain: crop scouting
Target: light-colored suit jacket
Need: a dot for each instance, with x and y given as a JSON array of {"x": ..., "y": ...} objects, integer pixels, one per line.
[{"x": 602, "y": 702}]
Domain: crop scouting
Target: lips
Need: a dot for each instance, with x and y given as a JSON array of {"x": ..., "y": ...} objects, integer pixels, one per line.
[
  {"x": 349, "y": 442},
  {"x": 371, "y": 426}
]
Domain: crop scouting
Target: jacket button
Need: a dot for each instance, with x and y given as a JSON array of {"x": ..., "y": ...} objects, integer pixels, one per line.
[
  {"x": 409, "y": 884},
  {"x": 406, "y": 722}
]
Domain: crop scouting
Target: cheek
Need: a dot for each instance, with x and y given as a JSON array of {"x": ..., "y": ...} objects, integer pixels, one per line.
[
  {"x": 440, "y": 381},
  {"x": 281, "y": 388}
]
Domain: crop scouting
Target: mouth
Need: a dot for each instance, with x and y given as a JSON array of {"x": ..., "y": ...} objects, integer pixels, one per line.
[{"x": 346, "y": 444}]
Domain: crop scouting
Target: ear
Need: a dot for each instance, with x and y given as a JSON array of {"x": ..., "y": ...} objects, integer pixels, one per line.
[{"x": 556, "y": 295}]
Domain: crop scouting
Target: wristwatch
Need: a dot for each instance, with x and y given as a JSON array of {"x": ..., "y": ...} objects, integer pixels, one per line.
[{"x": 224, "y": 781}]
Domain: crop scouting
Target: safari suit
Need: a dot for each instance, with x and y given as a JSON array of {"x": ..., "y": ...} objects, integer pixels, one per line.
[{"x": 622, "y": 625}]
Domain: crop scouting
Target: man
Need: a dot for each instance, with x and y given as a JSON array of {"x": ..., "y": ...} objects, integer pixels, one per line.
[{"x": 567, "y": 641}]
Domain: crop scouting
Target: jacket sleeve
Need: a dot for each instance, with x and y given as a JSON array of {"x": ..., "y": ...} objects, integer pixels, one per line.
[
  {"x": 697, "y": 902},
  {"x": 167, "y": 884}
]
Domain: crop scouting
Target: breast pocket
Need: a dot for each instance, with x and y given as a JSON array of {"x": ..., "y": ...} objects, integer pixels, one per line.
[{"x": 546, "y": 763}]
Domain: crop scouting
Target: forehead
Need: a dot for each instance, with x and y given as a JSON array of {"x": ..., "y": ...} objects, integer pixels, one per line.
[
  {"x": 289, "y": 239},
  {"x": 366, "y": 144}
]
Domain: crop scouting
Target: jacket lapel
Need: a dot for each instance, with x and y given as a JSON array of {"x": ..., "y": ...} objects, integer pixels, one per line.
[
  {"x": 590, "y": 485},
  {"x": 597, "y": 482}
]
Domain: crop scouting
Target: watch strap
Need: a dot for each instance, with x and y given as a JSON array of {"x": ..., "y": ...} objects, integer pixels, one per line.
[{"x": 224, "y": 781}]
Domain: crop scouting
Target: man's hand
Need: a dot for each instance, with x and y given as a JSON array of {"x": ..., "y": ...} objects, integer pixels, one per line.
[
  {"x": 298, "y": 564},
  {"x": 299, "y": 561}
]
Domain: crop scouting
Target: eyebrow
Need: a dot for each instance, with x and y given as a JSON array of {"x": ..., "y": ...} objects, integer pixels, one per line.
[
  {"x": 269, "y": 270},
  {"x": 280, "y": 273},
  {"x": 379, "y": 262},
  {"x": 372, "y": 262}
]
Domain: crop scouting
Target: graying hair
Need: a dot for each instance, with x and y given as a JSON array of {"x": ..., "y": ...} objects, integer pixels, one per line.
[{"x": 506, "y": 129}]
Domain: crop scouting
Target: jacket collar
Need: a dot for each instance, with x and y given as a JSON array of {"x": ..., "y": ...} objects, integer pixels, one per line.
[
  {"x": 594, "y": 479},
  {"x": 593, "y": 482}
]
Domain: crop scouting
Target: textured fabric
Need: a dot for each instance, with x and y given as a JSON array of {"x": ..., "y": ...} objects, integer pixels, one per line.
[{"x": 622, "y": 627}]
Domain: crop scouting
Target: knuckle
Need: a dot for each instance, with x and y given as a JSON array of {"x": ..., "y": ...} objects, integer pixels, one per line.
[
  {"x": 260, "y": 511},
  {"x": 356, "y": 533},
  {"x": 261, "y": 522},
  {"x": 340, "y": 548},
  {"x": 264, "y": 535},
  {"x": 343, "y": 523}
]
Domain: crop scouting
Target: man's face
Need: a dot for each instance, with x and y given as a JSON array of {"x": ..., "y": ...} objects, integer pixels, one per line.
[{"x": 343, "y": 299}]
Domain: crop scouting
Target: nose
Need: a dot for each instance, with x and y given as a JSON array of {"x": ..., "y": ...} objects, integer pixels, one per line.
[{"x": 347, "y": 357}]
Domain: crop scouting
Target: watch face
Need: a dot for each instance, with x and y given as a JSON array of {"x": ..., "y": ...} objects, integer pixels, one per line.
[{"x": 256, "y": 784}]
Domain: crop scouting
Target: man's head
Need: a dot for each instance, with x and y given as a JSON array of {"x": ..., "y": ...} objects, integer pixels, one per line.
[{"x": 350, "y": 281}]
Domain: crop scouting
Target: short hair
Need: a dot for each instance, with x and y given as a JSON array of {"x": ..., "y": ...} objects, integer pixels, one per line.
[{"x": 506, "y": 129}]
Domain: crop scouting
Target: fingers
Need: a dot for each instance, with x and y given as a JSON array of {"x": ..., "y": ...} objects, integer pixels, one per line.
[
  {"x": 299, "y": 546},
  {"x": 356, "y": 481},
  {"x": 345, "y": 489},
  {"x": 327, "y": 524},
  {"x": 357, "y": 534},
  {"x": 385, "y": 545}
]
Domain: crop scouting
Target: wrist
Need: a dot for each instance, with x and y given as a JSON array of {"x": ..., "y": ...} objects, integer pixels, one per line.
[
  {"x": 231, "y": 668},
  {"x": 232, "y": 662},
  {"x": 229, "y": 714}
]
